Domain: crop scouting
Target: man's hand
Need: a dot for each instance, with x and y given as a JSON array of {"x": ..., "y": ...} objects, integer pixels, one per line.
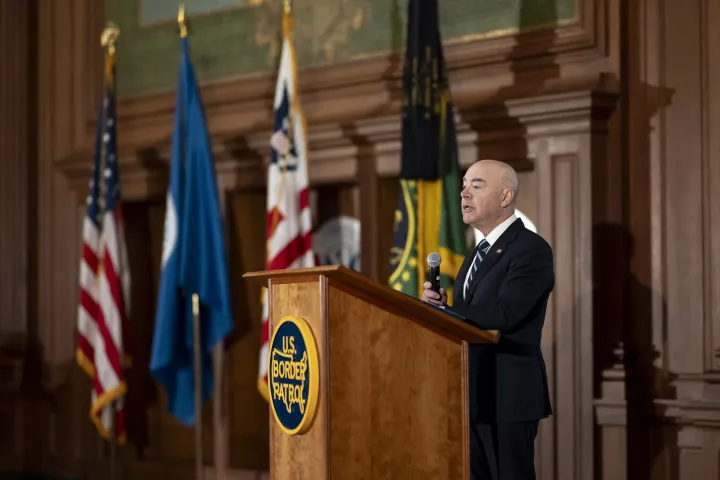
[{"x": 430, "y": 296}]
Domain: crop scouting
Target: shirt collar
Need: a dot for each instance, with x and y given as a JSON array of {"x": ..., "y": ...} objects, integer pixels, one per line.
[{"x": 500, "y": 229}]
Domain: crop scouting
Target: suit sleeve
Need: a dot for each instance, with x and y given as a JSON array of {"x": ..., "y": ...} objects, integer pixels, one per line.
[{"x": 529, "y": 279}]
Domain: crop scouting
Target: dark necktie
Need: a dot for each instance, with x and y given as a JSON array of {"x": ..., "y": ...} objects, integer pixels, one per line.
[{"x": 480, "y": 252}]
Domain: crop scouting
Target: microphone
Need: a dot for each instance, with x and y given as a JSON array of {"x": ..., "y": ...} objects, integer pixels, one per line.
[{"x": 433, "y": 261}]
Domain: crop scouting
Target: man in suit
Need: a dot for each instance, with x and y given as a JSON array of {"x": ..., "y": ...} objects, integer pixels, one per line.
[{"x": 503, "y": 284}]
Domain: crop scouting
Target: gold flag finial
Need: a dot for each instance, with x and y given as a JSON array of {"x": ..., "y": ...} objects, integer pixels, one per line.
[
  {"x": 287, "y": 4},
  {"x": 181, "y": 21},
  {"x": 109, "y": 37}
]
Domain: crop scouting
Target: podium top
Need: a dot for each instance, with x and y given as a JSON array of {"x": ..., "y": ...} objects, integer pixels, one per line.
[{"x": 410, "y": 307}]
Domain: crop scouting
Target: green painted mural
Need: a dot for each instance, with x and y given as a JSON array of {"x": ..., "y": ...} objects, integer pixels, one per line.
[
  {"x": 232, "y": 38},
  {"x": 155, "y": 11}
]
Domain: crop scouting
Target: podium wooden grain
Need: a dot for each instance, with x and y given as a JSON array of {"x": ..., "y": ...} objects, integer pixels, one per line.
[{"x": 393, "y": 381}]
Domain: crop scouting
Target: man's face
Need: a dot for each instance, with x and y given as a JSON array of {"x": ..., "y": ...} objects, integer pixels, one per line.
[{"x": 482, "y": 195}]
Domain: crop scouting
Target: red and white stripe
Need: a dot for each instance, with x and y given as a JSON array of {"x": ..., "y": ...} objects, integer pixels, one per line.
[
  {"x": 102, "y": 314},
  {"x": 289, "y": 244}
]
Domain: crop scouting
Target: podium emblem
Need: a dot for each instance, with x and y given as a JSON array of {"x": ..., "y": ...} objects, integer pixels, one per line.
[{"x": 293, "y": 376}]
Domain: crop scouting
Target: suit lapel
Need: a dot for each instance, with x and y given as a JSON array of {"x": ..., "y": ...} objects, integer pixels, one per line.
[{"x": 496, "y": 250}]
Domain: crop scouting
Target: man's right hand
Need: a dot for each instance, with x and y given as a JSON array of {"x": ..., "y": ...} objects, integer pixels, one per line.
[{"x": 431, "y": 296}]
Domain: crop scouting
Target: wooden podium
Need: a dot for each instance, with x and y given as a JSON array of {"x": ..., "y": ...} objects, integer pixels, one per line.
[{"x": 391, "y": 380}]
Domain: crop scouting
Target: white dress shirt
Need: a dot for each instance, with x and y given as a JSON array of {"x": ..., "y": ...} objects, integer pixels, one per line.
[{"x": 493, "y": 236}]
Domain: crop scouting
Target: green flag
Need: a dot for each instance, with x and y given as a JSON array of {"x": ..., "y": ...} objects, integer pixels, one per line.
[{"x": 428, "y": 216}]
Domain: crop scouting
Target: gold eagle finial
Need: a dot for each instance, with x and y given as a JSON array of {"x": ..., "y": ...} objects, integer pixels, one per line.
[
  {"x": 181, "y": 21},
  {"x": 109, "y": 37}
]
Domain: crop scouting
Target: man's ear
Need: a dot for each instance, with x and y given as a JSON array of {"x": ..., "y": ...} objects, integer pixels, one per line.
[{"x": 507, "y": 197}]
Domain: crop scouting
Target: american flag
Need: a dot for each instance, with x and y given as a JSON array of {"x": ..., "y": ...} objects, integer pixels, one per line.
[
  {"x": 104, "y": 277},
  {"x": 289, "y": 222}
]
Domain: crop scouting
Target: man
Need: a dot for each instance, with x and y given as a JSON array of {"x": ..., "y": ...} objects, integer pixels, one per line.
[{"x": 503, "y": 285}]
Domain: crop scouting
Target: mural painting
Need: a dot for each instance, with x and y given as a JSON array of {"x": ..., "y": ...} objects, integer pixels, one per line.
[{"x": 231, "y": 38}]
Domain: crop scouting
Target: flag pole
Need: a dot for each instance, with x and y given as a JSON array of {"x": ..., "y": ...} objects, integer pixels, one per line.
[
  {"x": 113, "y": 442},
  {"x": 196, "y": 331},
  {"x": 198, "y": 387},
  {"x": 287, "y": 10},
  {"x": 108, "y": 38}
]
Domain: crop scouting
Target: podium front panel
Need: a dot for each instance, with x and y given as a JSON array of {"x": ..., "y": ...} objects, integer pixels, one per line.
[
  {"x": 395, "y": 392},
  {"x": 300, "y": 456}
]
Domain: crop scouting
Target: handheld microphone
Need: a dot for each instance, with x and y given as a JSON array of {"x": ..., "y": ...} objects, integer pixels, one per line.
[{"x": 433, "y": 261}]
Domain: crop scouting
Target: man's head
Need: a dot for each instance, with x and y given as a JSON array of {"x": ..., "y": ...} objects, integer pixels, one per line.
[{"x": 488, "y": 195}]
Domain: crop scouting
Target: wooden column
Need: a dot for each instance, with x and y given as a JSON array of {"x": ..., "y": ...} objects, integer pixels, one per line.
[
  {"x": 19, "y": 359},
  {"x": 17, "y": 160}
]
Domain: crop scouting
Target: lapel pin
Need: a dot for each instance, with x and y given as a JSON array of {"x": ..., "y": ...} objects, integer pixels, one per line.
[{"x": 499, "y": 250}]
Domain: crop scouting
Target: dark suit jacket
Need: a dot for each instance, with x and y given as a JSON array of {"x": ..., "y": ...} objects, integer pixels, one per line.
[{"x": 509, "y": 293}]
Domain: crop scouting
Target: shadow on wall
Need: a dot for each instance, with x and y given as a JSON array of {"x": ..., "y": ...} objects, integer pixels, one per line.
[
  {"x": 629, "y": 317},
  {"x": 532, "y": 63},
  {"x": 619, "y": 292}
]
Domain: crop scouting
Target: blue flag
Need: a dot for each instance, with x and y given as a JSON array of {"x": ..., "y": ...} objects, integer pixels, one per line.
[{"x": 193, "y": 259}]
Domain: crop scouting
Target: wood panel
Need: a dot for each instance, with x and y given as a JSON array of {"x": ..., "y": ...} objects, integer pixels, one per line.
[
  {"x": 668, "y": 409},
  {"x": 248, "y": 410},
  {"x": 397, "y": 388},
  {"x": 18, "y": 228},
  {"x": 683, "y": 210},
  {"x": 711, "y": 170},
  {"x": 17, "y": 169}
]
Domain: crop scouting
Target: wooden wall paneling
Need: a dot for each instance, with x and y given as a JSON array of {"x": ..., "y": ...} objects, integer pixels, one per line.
[
  {"x": 61, "y": 120},
  {"x": 527, "y": 200},
  {"x": 672, "y": 182},
  {"x": 19, "y": 366},
  {"x": 334, "y": 200},
  {"x": 369, "y": 211},
  {"x": 611, "y": 416},
  {"x": 642, "y": 314},
  {"x": 696, "y": 455},
  {"x": 377, "y": 143},
  {"x": 249, "y": 429},
  {"x": 710, "y": 12},
  {"x": 683, "y": 192},
  {"x": 630, "y": 347},
  {"x": 67, "y": 68},
  {"x": 142, "y": 224},
  {"x": 691, "y": 275},
  {"x": 652, "y": 121},
  {"x": 16, "y": 170}
]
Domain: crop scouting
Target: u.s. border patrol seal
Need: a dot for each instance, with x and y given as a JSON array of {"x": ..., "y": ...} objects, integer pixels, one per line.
[{"x": 293, "y": 376}]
